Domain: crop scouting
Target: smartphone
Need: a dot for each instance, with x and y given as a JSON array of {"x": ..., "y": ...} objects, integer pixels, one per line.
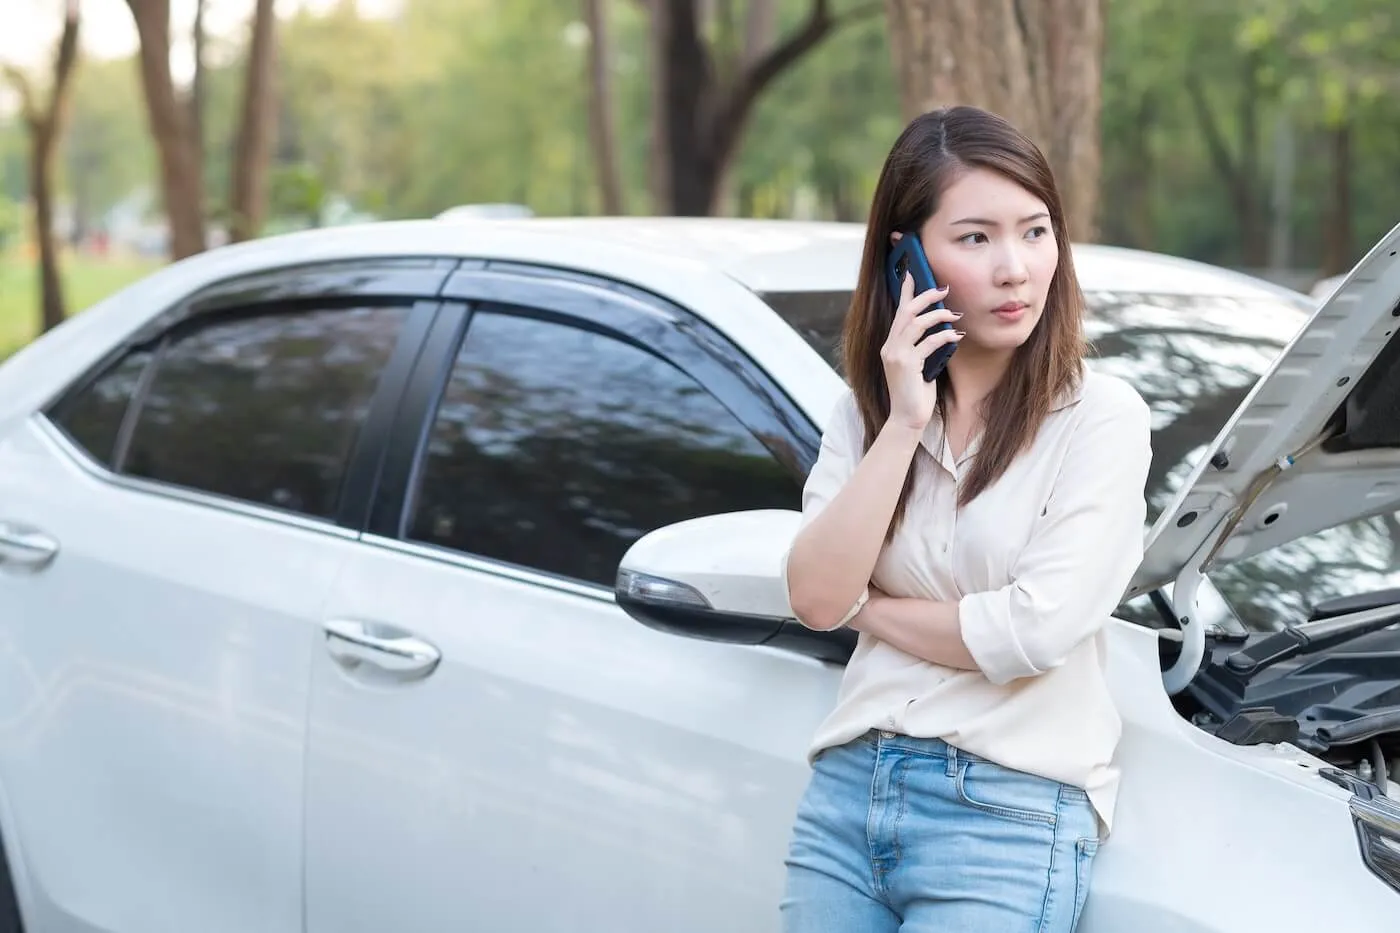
[{"x": 907, "y": 256}]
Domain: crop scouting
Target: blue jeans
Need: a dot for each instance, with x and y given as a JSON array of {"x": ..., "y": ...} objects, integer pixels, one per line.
[{"x": 913, "y": 835}]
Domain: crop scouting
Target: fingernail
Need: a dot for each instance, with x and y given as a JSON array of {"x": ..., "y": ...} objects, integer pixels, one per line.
[
  {"x": 960, "y": 333},
  {"x": 956, "y": 313}
]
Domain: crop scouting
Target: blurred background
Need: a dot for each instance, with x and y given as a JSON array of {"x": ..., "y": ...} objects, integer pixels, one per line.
[{"x": 1261, "y": 135}]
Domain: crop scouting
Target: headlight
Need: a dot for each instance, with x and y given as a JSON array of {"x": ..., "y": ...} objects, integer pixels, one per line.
[{"x": 1378, "y": 827}]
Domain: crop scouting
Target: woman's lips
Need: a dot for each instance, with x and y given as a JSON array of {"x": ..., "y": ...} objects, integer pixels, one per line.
[{"x": 1011, "y": 311}]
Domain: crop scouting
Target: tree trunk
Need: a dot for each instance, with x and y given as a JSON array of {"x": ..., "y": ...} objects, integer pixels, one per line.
[
  {"x": 698, "y": 114},
  {"x": 1253, "y": 202},
  {"x": 181, "y": 185},
  {"x": 1242, "y": 174},
  {"x": 1337, "y": 239},
  {"x": 51, "y": 305},
  {"x": 658, "y": 153},
  {"x": 685, "y": 88},
  {"x": 253, "y": 145},
  {"x": 1137, "y": 190},
  {"x": 1038, "y": 64},
  {"x": 46, "y": 125},
  {"x": 602, "y": 123},
  {"x": 198, "y": 85},
  {"x": 1281, "y": 202}
]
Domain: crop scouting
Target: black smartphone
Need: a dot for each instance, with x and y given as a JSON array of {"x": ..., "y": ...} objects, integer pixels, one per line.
[{"x": 907, "y": 256}]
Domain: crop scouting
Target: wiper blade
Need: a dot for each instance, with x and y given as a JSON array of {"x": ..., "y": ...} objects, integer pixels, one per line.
[
  {"x": 1310, "y": 637},
  {"x": 1345, "y": 605}
]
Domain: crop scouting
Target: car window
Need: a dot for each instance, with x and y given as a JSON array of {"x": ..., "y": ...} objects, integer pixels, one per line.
[
  {"x": 261, "y": 407},
  {"x": 555, "y": 447},
  {"x": 1193, "y": 358},
  {"x": 93, "y": 417},
  {"x": 1284, "y": 584}
]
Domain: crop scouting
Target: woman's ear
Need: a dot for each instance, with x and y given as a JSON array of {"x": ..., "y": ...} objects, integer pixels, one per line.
[{"x": 896, "y": 237}]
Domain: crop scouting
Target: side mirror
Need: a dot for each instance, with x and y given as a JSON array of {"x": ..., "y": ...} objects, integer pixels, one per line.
[{"x": 720, "y": 578}]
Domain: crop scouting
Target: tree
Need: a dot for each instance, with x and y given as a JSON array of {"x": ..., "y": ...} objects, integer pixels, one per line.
[
  {"x": 199, "y": 95},
  {"x": 704, "y": 92},
  {"x": 1241, "y": 167},
  {"x": 182, "y": 187},
  {"x": 798, "y": 166},
  {"x": 252, "y": 158},
  {"x": 602, "y": 122},
  {"x": 1138, "y": 83},
  {"x": 1337, "y": 59},
  {"x": 1036, "y": 64},
  {"x": 45, "y": 125}
]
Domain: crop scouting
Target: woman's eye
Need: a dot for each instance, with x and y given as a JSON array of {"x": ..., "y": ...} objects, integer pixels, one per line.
[
  {"x": 969, "y": 238},
  {"x": 1036, "y": 233}
]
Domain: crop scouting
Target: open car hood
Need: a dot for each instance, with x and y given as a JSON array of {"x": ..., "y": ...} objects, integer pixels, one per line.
[{"x": 1315, "y": 443}]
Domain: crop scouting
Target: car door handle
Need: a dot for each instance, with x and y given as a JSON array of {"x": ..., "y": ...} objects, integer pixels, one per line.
[
  {"x": 23, "y": 546},
  {"x": 352, "y": 642}
]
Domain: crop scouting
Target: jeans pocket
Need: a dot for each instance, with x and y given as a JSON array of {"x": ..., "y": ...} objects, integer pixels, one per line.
[
  {"x": 1005, "y": 792},
  {"x": 1084, "y": 852}
]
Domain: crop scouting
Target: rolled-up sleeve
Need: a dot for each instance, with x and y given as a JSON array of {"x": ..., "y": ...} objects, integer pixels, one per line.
[
  {"x": 1082, "y": 552},
  {"x": 840, "y": 454}
]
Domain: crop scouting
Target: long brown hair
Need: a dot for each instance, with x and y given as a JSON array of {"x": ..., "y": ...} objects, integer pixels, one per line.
[{"x": 928, "y": 156}]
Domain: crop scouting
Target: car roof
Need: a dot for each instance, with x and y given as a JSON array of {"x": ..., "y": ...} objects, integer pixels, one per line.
[{"x": 770, "y": 256}]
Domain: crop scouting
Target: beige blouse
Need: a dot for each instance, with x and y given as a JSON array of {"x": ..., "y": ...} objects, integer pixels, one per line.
[{"x": 1037, "y": 563}]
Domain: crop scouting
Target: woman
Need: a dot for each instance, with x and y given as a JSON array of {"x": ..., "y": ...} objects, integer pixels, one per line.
[{"x": 977, "y": 531}]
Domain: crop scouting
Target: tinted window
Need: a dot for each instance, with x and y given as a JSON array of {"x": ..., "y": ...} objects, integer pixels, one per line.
[
  {"x": 556, "y": 447},
  {"x": 1281, "y": 586},
  {"x": 93, "y": 416},
  {"x": 264, "y": 408},
  {"x": 817, "y": 316},
  {"x": 1193, "y": 358}
]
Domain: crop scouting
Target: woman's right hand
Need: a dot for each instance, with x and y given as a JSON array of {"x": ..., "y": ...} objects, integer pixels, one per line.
[{"x": 912, "y": 399}]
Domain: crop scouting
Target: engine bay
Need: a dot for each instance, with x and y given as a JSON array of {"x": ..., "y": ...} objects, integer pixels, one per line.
[{"x": 1330, "y": 686}]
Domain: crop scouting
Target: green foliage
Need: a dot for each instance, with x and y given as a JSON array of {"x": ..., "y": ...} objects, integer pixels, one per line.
[
  {"x": 825, "y": 126},
  {"x": 11, "y": 219},
  {"x": 504, "y": 119},
  {"x": 14, "y": 160},
  {"x": 460, "y": 101},
  {"x": 1304, "y": 64},
  {"x": 85, "y": 281},
  {"x": 107, "y": 151},
  {"x": 298, "y": 191},
  {"x": 1336, "y": 54}
]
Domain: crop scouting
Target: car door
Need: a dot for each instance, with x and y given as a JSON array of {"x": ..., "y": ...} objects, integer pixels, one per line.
[
  {"x": 171, "y": 528},
  {"x": 493, "y": 744}
]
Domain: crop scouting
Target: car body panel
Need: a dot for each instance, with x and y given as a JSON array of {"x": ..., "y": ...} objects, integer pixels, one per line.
[
  {"x": 153, "y": 710},
  {"x": 558, "y": 749}
]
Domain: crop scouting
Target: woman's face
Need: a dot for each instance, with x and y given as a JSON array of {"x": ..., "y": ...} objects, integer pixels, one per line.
[{"x": 992, "y": 244}]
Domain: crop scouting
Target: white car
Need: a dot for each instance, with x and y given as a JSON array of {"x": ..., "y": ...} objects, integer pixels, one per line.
[{"x": 308, "y": 618}]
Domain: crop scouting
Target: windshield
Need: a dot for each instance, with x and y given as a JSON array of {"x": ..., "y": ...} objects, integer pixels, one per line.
[{"x": 1194, "y": 358}]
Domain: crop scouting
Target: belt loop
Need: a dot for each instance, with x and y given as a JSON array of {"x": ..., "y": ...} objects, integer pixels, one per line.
[{"x": 951, "y": 768}]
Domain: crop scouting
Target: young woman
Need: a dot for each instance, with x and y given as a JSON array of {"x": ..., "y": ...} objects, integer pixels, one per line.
[{"x": 977, "y": 531}]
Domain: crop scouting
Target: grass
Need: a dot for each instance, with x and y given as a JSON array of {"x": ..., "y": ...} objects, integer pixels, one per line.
[{"x": 86, "y": 280}]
